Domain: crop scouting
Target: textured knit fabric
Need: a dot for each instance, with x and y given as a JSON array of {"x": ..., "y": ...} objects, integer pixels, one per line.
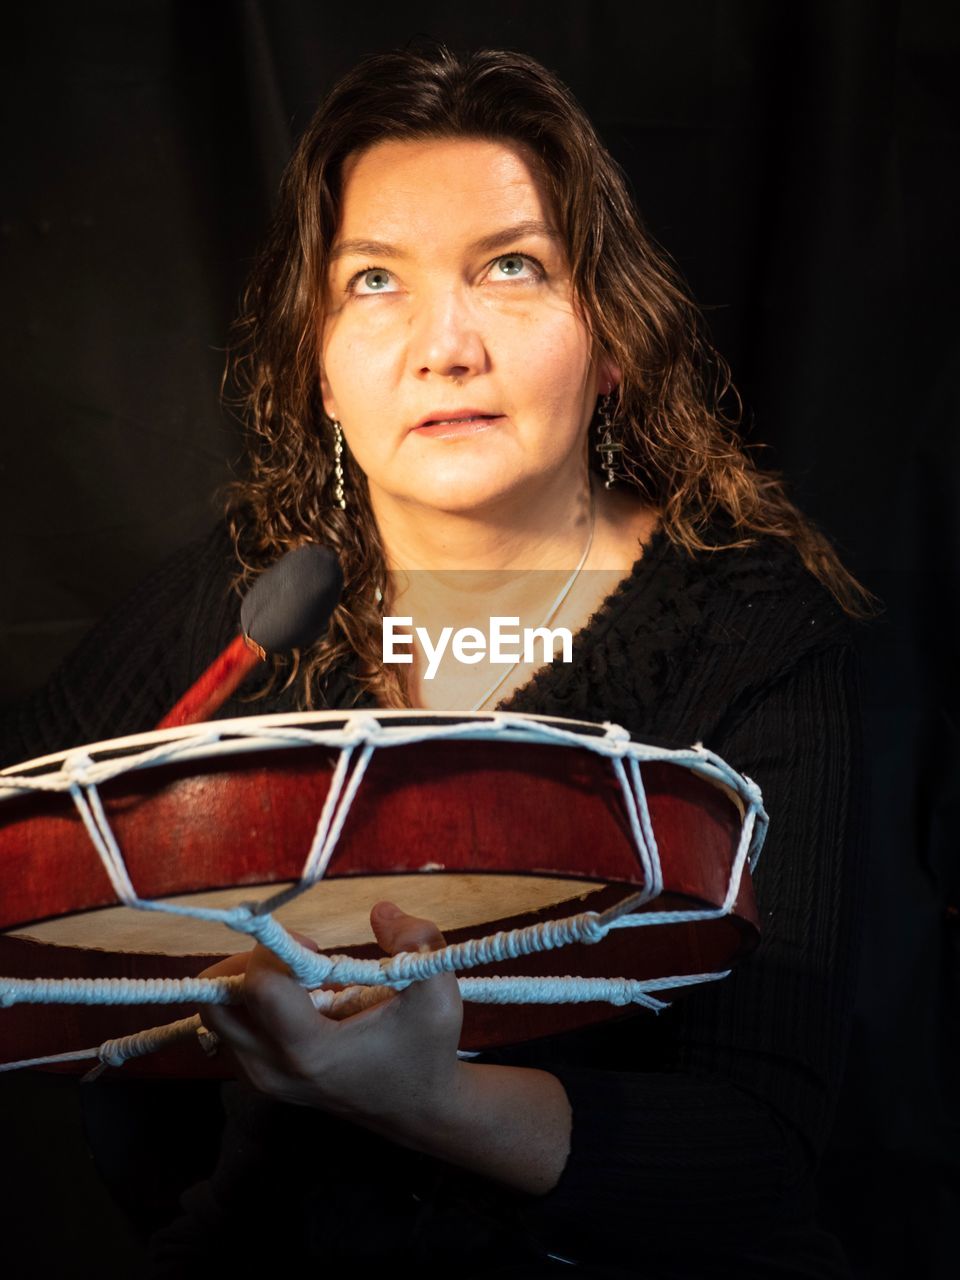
[{"x": 696, "y": 1132}]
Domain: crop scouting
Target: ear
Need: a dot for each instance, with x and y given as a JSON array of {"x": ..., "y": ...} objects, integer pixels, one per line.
[
  {"x": 329, "y": 402},
  {"x": 608, "y": 376},
  {"x": 326, "y": 394}
]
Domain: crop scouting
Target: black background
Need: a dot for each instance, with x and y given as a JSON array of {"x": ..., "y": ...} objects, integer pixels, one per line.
[{"x": 798, "y": 161}]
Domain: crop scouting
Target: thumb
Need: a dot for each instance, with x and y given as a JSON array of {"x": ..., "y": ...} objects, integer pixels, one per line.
[{"x": 396, "y": 931}]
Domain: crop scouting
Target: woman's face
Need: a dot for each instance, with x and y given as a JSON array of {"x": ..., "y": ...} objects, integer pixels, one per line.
[{"x": 452, "y": 353}]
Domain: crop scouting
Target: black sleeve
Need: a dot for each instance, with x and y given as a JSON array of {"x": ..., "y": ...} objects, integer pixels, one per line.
[
  {"x": 134, "y": 665},
  {"x": 724, "y": 1144}
]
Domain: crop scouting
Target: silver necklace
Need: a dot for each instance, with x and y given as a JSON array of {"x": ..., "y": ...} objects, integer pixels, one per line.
[{"x": 552, "y": 611}]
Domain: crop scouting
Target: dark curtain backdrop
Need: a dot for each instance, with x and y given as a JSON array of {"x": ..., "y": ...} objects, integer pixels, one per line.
[{"x": 798, "y": 161}]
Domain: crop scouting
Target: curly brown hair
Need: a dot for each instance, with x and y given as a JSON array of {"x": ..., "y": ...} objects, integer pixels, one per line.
[{"x": 680, "y": 448}]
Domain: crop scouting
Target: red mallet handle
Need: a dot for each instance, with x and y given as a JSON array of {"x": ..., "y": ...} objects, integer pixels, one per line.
[
  {"x": 288, "y": 607},
  {"x": 215, "y": 686}
]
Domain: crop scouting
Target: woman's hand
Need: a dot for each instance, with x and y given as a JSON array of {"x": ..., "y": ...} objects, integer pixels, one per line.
[
  {"x": 393, "y": 1067},
  {"x": 389, "y": 1067}
]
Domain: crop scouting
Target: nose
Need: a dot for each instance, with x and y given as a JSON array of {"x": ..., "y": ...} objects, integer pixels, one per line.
[{"x": 447, "y": 340}]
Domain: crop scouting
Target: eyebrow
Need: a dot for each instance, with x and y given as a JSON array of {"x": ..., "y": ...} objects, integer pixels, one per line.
[{"x": 486, "y": 244}]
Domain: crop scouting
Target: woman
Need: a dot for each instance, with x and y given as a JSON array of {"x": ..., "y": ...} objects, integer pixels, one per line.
[{"x": 456, "y": 308}]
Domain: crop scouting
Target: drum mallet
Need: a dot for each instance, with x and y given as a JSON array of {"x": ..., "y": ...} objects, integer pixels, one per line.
[{"x": 287, "y": 607}]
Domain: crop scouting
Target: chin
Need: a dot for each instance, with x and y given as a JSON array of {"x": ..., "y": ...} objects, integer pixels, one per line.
[
  {"x": 465, "y": 499},
  {"x": 465, "y": 488},
  {"x": 532, "y": 491}
]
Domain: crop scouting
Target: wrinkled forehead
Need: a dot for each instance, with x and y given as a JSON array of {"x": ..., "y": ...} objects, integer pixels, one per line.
[{"x": 439, "y": 192}]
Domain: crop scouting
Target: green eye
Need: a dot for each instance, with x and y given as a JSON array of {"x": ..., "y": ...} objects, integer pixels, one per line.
[
  {"x": 376, "y": 280},
  {"x": 512, "y": 264}
]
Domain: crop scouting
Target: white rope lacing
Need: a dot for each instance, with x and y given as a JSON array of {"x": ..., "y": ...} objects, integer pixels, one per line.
[
  {"x": 366, "y": 981},
  {"x": 616, "y": 991}
]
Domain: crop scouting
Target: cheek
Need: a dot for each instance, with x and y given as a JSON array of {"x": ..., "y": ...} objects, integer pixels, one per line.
[
  {"x": 547, "y": 359},
  {"x": 361, "y": 384},
  {"x": 355, "y": 373}
]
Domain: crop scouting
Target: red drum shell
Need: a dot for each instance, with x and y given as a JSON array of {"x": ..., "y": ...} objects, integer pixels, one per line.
[{"x": 440, "y": 807}]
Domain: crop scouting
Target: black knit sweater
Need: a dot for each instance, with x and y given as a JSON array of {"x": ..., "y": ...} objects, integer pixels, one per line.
[{"x": 696, "y": 1131}]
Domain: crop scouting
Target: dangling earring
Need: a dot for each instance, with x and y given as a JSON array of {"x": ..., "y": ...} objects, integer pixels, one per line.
[
  {"x": 608, "y": 448},
  {"x": 338, "y": 496}
]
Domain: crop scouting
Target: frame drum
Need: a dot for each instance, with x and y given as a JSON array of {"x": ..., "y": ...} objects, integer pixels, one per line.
[{"x": 482, "y": 824}]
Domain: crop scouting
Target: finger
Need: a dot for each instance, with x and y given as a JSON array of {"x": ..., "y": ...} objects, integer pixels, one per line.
[
  {"x": 280, "y": 1008},
  {"x": 303, "y": 940},
  {"x": 231, "y": 966},
  {"x": 231, "y": 1026},
  {"x": 227, "y": 1022},
  {"x": 347, "y": 1001},
  {"x": 249, "y": 1043},
  {"x": 396, "y": 931},
  {"x": 245, "y": 1052},
  {"x": 269, "y": 989},
  {"x": 228, "y": 967}
]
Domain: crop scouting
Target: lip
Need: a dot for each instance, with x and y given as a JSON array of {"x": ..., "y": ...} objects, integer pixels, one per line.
[
  {"x": 457, "y": 428},
  {"x": 444, "y": 422}
]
